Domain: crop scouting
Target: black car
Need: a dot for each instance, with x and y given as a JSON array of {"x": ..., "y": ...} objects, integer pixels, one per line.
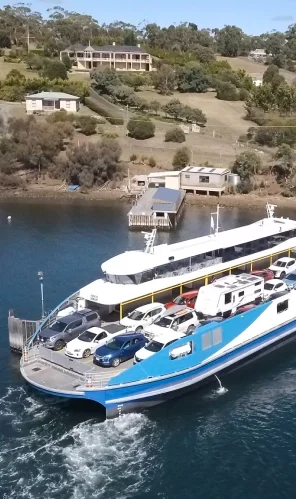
[{"x": 67, "y": 328}]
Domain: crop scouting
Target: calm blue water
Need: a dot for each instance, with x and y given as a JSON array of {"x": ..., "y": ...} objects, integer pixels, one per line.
[{"x": 236, "y": 445}]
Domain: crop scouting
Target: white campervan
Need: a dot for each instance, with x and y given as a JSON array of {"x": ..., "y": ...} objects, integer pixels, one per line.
[{"x": 226, "y": 294}]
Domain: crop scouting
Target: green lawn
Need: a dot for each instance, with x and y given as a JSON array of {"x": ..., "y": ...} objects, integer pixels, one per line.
[{"x": 5, "y": 67}]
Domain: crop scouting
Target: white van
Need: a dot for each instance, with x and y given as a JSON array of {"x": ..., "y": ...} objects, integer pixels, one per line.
[{"x": 226, "y": 294}]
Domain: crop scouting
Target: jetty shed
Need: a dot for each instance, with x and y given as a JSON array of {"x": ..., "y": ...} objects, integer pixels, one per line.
[
  {"x": 169, "y": 179},
  {"x": 160, "y": 208},
  {"x": 204, "y": 179},
  {"x": 49, "y": 102}
]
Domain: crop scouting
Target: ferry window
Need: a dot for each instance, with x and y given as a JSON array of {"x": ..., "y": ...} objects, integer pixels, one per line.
[
  {"x": 204, "y": 179},
  {"x": 227, "y": 298},
  {"x": 217, "y": 336},
  {"x": 182, "y": 351},
  {"x": 241, "y": 293},
  {"x": 257, "y": 283},
  {"x": 257, "y": 291},
  {"x": 91, "y": 317},
  {"x": 281, "y": 307},
  {"x": 206, "y": 341}
]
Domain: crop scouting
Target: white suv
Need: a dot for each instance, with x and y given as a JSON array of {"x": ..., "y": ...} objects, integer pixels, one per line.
[
  {"x": 283, "y": 266},
  {"x": 158, "y": 343},
  {"x": 179, "y": 318},
  {"x": 142, "y": 317}
]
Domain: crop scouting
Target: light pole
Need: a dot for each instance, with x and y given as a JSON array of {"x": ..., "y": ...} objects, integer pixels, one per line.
[{"x": 40, "y": 275}]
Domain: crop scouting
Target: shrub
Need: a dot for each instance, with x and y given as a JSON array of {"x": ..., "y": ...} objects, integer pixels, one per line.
[
  {"x": 175, "y": 135},
  {"x": 110, "y": 135},
  {"x": 133, "y": 157},
  {"x": 61, "y": 116},
  {"x": 244, "y": 187},
  {"x": 141, "y": 128},
  {"x": 54, "y": 70},
  {"x": 95, "y": 106},
  {"x": 151, "y": 162},
  {"x": 144, "y": 159},
  {"x": 227, "y": 91},
  {"x": 86, "y": 124},
  {"x": 67, "y": 62},
  {"x": 11, "y": 181},
  {"x": 181, "y": 158}
]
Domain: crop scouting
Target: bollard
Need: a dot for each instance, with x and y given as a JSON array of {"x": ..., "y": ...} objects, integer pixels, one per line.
[{"x": 88, "y": 381}]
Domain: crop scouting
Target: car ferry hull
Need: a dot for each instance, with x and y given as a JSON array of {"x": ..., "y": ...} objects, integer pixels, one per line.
[{"x": 217, "y": 349}]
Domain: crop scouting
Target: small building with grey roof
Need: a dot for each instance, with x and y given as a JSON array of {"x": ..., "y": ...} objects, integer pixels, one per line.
[
  {"x": 159, "y": 208},
  {"x": 49, "y": 102}
]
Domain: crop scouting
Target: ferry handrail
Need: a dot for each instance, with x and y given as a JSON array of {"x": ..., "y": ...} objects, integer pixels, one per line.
[{"x": 50, "y": 316}]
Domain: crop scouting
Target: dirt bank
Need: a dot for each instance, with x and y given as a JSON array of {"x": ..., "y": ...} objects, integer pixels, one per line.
[{"x": 47, "y": 195}]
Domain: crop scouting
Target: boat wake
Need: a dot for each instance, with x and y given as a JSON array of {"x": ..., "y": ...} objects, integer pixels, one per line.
[{"x": 43, "y": 455}]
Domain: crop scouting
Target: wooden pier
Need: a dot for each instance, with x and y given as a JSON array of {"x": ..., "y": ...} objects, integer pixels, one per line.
[{"x": 158, "y": 208}]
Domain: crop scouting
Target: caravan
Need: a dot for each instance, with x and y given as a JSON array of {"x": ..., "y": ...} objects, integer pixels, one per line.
[{"x": 223, "y": 296}]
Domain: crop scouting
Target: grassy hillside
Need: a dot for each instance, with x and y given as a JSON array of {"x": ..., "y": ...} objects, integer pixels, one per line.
[{"x": 254, "y": 68}]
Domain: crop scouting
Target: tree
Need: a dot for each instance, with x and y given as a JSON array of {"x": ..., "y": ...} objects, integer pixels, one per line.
[
  {"x": 141, "y": 128},
  {"x": 194, "y": 115},
  {"x": 230, "y": 41},
  {"x": 86, "y": 124},
  {"x": 122, "y": 93},
  {"x": 67, "y": 62},
  {"x": 164, "y": 80},
  {"x": 130, "y": 38},
  {"x": 247, "y": 164},
  {"x": 175, "y": 135},
  {"x": 284, "y": 162},
  {"x": 181, "y": 158},
  {"x": 14, "y": 78},
  {"x": 227, "y": 91},
  {"x": 34, "y": 61},
  {"x": 55, "y": 70},
  {"x": 192, "y": 78},
  {"x": 154, "y": 106},
  {"x": 270, "y": 73},
  {"x": 104, "y": 79},
  {"x": 173, "y": 108},
  {"x": 133, "y": 80}
]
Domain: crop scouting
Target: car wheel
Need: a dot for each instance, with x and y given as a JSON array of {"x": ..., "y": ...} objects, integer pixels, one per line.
[
  {"x": 59, "y": 345},
  {"x": 86, "y": 353},
  {"x": 115, "y": 362},
  {"x": 139, "y": 329},
  {"x": 282, "y": 275},
  {"x": 190, "y": 330}
]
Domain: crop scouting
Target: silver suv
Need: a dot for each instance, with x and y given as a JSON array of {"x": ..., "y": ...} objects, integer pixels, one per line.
[{"x": 67, "y": 328}]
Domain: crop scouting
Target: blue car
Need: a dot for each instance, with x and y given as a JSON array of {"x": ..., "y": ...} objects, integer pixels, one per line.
[
  {"x": 290, "y": 280},
  {"x": 119, "y": 349}
]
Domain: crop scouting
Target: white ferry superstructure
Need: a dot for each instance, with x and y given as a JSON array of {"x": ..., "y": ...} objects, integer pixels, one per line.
[{"x": 133, "y": 275}]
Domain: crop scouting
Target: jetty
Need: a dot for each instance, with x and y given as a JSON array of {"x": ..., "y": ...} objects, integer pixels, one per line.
[{"x": 159, "y": 208}]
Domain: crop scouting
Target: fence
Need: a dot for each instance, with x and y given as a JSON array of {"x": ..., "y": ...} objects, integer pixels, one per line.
[{"x": 20, "y": 331}]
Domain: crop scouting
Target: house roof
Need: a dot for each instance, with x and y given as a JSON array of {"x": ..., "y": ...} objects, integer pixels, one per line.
[
  {"x": 52, "y": 96},
  {"x": 205, "y": 170},
  {"x": 106, "y": 48},
  {"x": 165, "y": 195},
  {"x": 164, "y": 174}
]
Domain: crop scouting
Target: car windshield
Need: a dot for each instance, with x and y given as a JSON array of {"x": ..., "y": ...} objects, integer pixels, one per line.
[
  {"x": 136, "y": 315},
  {"x": 291, "y": 277},
  {"x": 154, "y": 346},
  {"x": 58, "y": 326},
  {"x": 280, "y": 263},
  {"x": 114, "y": 344},
  {"x": 87, "y": 336},
  {"x": 268, "y": 286},
  {"x": 180, "y": 300},
  {"x": 164, "y": 322}
]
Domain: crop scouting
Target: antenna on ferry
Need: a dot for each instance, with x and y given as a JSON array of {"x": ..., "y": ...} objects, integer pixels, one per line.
[
  {"x": 149, "y": 238},
  {"x": 270, "y": 209},
  {"x": 216, "y": 228}
]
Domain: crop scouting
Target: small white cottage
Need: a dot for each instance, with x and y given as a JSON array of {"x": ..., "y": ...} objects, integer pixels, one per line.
[{"x": 49, "y": 102}]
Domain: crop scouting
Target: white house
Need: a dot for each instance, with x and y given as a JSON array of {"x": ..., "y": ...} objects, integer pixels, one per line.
[{"x": 48, "y": 102}]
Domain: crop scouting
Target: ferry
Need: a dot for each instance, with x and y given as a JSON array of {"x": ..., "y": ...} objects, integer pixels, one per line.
[{"x": 213, "y": 348}]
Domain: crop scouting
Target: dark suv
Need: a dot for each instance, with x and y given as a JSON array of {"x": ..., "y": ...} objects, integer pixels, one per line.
[{"x": 67, "y": 328}]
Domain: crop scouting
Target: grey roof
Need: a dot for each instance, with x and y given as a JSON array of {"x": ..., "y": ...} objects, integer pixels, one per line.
[
  {"x": 164, "y": 207},
  {"x": 205, "y": 170},
  {"x": 167, "y": 195},
  {"x": 52, "y": 96},
  {"x": 75, "y": 46},
  {"x": 107, "y": 48}
]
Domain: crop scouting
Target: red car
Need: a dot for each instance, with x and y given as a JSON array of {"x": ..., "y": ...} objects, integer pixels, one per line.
[
  {"x": 266, "y": 274},
  {"x": 188, "y": 299}
]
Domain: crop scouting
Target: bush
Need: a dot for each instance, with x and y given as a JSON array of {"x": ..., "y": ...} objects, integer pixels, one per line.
[
  {"x": 67, "y": 62},
  {"x": 133, "y": 157},
  {"x": 227, "y": 91},
  {"x": 276, "y": 132},
  {"x": 244, "y": 187},
  {"x": 61, "y": 116},
  {"x": 175, "y": 135},
  {"x": 110, "y": 135},
  {"x": 86, "y": 124},
  {"x": 95, "y": 106},
  {"x": 141, "y": 128},
  {"x": 181, "y": 158},
  {"x": 54, "y": 70},
  {"x": 11, "y": 182},
  {"x": 151, "y": 162}
]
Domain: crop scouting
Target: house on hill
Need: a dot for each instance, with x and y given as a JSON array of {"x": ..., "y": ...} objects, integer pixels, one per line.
[
  {"x": 118, "y": 57},
  {"x": 49, "y": 102}
]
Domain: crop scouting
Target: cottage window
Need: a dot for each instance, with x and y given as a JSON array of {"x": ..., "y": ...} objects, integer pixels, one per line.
[
  {"x": 68, "y": 104},
  {"x": 187, "y": 176},
  {"x": 204, "y": 179}
]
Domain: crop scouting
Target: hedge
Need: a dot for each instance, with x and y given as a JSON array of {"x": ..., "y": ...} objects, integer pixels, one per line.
[{"x": 95, "y": 106}]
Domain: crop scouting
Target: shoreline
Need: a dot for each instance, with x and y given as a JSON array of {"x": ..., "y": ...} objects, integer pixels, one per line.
[{"x": 48, "y": 195}]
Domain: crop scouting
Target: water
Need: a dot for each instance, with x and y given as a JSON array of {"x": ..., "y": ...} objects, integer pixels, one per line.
[{"x": 232, "y": 444}]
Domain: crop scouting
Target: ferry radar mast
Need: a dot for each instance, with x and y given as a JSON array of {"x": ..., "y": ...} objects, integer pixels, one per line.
[
  {"x": 270, "y": 209},
  {"x": 149, "y": 238},
  {"x": 215, "y": 227}
]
